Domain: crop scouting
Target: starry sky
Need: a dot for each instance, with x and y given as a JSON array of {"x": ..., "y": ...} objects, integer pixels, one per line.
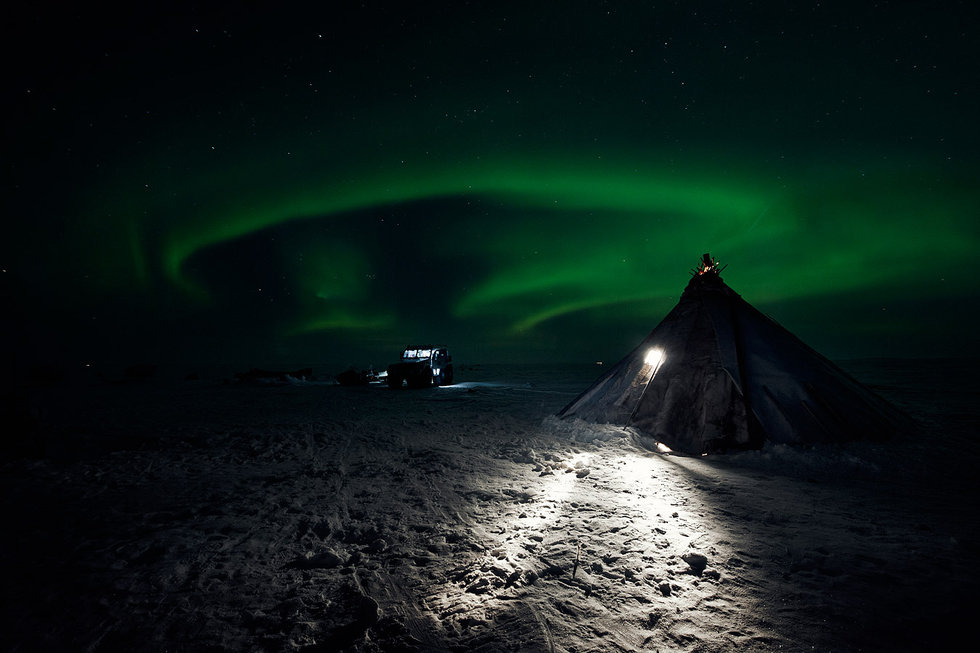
[{"x": 522, "y": 182}]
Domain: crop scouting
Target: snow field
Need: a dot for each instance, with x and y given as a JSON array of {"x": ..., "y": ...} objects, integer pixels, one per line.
[{"x": 309, "y": 517}]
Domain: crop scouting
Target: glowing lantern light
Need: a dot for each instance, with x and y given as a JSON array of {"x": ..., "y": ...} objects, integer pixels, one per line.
[{"x": 653, "y": 357}]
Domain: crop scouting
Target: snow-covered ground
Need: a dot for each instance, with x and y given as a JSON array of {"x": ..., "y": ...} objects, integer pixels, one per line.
[{"x": 207, "y": 516}]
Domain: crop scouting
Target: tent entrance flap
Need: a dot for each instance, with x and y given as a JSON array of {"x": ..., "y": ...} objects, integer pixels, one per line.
[{"x": 652, "y": 360}]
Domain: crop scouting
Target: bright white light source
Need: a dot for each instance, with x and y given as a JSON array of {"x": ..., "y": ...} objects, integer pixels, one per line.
[
  {"x": 653, "y": 357},
  {"x": 651, "y": 364}
]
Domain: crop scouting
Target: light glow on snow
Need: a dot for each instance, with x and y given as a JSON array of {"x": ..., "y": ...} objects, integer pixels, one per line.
[
  {"x": 563, "y": 482},
  {"x": 641, "y": 478}
]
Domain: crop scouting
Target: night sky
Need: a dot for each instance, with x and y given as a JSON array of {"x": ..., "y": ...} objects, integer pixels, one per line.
[{"x": 520, "y": 181}]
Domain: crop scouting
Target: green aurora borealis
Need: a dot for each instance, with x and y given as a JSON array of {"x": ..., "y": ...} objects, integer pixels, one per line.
[{"x": 519, "y": 184}]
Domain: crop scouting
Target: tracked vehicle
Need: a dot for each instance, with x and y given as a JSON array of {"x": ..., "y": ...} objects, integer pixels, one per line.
[{"x": 421, "y": 367}]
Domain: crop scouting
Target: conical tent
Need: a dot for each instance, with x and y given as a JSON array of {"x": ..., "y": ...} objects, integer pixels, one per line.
[{"x": 716, "y": 374}]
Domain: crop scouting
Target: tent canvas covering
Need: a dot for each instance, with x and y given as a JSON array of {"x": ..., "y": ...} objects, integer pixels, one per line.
[{"x": 716, "y": 375}]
